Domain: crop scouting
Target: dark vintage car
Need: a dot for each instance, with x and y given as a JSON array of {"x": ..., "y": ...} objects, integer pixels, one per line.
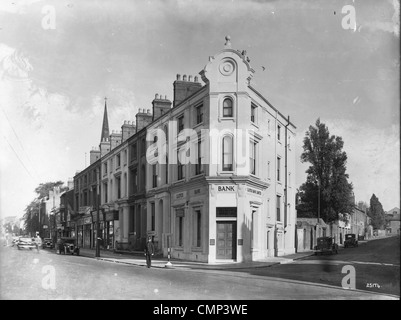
[
  {"x": 67, "y": 245},
  {"x": 27, "y": 243},
  {"x": 350, "y": 240},
  {"x": 47, "y": 243},
  {"x": 326, "y": 244}
]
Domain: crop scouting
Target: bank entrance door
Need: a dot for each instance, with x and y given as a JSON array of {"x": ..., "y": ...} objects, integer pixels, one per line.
[{"x": 226, "y": 240}]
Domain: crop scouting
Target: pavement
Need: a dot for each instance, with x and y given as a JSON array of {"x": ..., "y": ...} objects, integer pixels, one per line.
[{"x": 137, "y": 258}]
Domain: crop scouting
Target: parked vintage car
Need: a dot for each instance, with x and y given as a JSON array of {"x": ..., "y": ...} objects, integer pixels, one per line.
[
  {"x": 28, "y": 243},
  {"x": 67, "y": 245},
  {"x": 47, "y": 243},
  {"x": 326, "y": 244},
  {"x": 14, "y": 241},
  {"x": 350, "y": 240}
]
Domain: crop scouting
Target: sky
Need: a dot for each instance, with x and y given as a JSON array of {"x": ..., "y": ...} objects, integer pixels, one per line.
[{"x": 312, "y": 59}]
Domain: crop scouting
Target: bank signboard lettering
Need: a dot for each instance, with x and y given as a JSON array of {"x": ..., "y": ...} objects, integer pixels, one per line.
[
  {"x": 226, "y": 188},
  {"x": 254, "y": 191},
  {"x": 180, "y": 195}
]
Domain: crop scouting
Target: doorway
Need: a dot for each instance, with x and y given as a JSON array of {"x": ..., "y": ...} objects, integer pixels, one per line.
[{"x": 226, "y": 240}]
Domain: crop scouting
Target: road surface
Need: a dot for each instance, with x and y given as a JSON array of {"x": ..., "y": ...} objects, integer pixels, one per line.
[{"x": 44, "y": 275}]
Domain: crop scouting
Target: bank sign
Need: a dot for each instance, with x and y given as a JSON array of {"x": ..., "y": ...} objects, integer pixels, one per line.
[{"x": 226, "y": 188}]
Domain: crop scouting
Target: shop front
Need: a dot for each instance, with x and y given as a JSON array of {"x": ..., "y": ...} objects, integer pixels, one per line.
[
  {"x": 108, "y": 237},
  {"x": 87, "y": 232},
  {"x": 70, "y": 229},
  {"x": 94, "y": 228}
]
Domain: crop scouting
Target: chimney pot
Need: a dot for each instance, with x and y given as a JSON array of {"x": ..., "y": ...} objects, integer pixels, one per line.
[
  {"x": 190, "y": 78},
  {"x": 184, "y": 78},
  {"x": 165, "y": 97},
  {"x": 156, "y": 96},
  {"x": 196, "y": 79},
  {"x": 148, "y": 111},
  {"x": 178, "y": 77}
]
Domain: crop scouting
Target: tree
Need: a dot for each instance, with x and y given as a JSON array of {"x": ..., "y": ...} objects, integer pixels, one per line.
[
  {"x": 376, "y": 213},
  {"x": 326, "y": 176},
  {"x": 31, "y": 216},
  {"x": 43, "y": 189}
]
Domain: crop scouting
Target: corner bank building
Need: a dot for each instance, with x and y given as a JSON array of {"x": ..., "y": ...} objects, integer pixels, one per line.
[
  {"x": 209, "y": 176},
  {"x": 236, "y": 201}
]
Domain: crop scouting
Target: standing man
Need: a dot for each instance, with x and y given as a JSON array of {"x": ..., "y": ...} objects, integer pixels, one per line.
[
  {"x": 149, "y": 252},
  {"x": 38, "y": 240}
]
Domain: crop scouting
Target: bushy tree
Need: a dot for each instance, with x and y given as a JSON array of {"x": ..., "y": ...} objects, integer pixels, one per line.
[
  {"x": 31, "y": 216},
  {"x": 376, "y": 213},
  {"x": 326, "y": 176}
]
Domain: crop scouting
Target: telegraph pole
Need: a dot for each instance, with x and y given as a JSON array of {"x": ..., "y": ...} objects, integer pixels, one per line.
[
  {"x": 40, "y": 202},
  {"x": 318, "y": 201},
  {"x": 98, "y": 216}
]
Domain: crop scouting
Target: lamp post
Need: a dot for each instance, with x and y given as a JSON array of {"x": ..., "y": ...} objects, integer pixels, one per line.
[{"x": 40, "y": 204}]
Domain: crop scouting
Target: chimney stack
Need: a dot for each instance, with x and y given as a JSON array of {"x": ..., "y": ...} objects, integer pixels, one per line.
[
  {"x": 183, "y": 88},
  {"x": 127, "y": 129},
  {"x": 143, "y": 118},
  {"x": 94, "y": 155},
  {"x": 115, "y": 139},
  {"x": 160, "y": 106},
  {"x": 70, "y": 184}
]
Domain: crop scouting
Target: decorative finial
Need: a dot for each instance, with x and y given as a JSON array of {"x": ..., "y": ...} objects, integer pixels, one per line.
[{"x": 228, "y": 42}]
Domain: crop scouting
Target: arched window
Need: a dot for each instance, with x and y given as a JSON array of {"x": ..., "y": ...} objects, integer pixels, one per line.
[
  {"x": 227, "y": 153},
  {"x": 227, "y": 107}
]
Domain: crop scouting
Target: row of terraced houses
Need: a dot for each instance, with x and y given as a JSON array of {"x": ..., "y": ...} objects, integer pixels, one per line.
[{"x": 234, "y": 199}]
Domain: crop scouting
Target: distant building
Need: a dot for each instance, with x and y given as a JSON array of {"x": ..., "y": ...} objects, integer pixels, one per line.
[
  {"x": 359, "y": 222},
  {"x": 392, "y": 218}
]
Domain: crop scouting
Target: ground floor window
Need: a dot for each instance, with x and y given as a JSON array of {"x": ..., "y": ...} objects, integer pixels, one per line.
[
  {"x": 179, "y": 225},
  {"x": 197, "y": 230},
  {"x": 87, "y": 235},
  {"x": 110, "y": 234},
  {"x": 80, "y": 235}
]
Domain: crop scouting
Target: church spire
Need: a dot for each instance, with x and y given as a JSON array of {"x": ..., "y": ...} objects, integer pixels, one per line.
[{"x": 105, "y": 127}]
